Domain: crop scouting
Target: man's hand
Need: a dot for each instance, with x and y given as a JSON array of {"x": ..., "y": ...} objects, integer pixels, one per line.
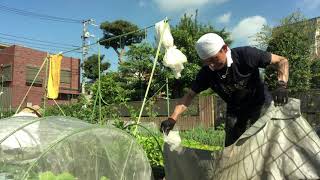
[
  {"x": 167, "y": 125},
  {"x": 280, "y": 95}
]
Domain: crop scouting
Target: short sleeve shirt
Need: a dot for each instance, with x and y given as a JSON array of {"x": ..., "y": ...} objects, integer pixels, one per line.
[{"x": 240, "y": 85}]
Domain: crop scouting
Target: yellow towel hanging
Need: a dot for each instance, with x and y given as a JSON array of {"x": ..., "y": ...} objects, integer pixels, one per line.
[{"x": 54, "y": 76}]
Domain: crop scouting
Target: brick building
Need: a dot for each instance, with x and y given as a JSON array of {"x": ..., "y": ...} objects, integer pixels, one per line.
[{"x": 19, "y": 66}]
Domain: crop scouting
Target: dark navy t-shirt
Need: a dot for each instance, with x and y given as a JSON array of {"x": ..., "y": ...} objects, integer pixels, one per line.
[{"x": 240, "y": 85}]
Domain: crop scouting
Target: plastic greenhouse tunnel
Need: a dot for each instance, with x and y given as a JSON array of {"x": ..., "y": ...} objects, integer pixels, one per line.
[{"x": 67, "y": 148}]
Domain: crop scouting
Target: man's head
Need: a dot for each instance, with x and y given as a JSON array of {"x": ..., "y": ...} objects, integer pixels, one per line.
[{"x": 212, "y": 50}]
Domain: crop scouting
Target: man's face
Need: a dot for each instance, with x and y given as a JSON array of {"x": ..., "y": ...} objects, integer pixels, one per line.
[{"x": 217, "y": 61}]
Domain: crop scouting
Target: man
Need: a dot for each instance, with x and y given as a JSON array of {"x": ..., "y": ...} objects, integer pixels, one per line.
[{"x": 234, "y": 76}]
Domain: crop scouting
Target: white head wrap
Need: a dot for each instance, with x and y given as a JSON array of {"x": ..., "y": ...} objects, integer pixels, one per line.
[{"x": 209, "y": 45}]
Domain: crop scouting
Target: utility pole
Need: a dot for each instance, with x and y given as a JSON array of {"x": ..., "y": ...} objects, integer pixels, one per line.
[{"x": 85, "y": 35}]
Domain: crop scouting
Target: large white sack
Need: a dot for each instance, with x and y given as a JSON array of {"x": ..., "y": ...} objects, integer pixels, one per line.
[{"x": 173, "y": 57}]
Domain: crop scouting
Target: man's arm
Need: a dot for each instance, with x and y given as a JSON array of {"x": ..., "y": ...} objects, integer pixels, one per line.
[
  {"x": 168, "y": 124},
  {"x": 282, "y": 65},
  {"x": 183, "y": 104},
  {"x": 280, "y": 94}
]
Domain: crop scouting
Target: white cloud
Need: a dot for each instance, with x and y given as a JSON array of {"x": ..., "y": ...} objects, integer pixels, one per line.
[
  {"x": 225, "y": 18},
  {"x": 142, "y": 4},
  {"x": 311, "y": 4},
  {"x": 243, "y": 33},
  {"x": 177, "y": 5}
]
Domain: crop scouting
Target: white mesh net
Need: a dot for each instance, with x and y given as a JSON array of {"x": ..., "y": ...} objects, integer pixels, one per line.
[
  {"x": 33, "y": 147},
  {"x": 280, "y": 145}
]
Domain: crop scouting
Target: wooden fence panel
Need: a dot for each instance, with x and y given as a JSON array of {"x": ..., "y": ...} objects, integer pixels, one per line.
[
  {"x": 159, "y": 108},
  {"x": 199, "y": 113},
  {"x": 206, "y": 111}
]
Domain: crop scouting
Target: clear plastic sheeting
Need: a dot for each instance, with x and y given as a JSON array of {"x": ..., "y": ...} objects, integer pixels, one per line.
[
  {"x": 33, "y": 147},
  {"x": 280, "y": 145}
]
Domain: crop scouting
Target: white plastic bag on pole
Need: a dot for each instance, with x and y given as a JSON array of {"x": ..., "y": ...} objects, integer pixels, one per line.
[
  {"x": 163, "y": 29},
  {"x": 173, "y": 57}
]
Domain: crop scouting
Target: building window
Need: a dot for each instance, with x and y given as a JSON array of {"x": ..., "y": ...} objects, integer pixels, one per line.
[
  {"x": 31, "y": 74},
  {"x": 63, "y": 96},
  {"x": 5, "y": 72},
  {"x": 65, "y": 76}
]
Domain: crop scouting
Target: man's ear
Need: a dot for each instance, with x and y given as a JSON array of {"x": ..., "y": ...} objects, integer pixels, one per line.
[{"x": 225, "y": 48}]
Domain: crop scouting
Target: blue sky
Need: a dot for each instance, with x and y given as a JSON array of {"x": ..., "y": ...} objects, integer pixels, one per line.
[{"x": 243, "y": 18}]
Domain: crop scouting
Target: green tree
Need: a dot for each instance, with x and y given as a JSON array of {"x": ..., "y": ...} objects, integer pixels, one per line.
[
  {"x": 90, "y": 67},
  {"x": 136, "y": 70},
  {"x": 113, "y": 96},
  {"x": 116, "y": 28},
  {"x": 292, "y": 38},
  {"x": 112, "y": 89}
]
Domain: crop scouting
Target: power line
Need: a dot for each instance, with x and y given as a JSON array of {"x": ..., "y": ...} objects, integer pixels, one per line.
[
  {"x": 37, "y": 15},
  {"x": 36, "y": 43},
  {"x": 9, "y": 54},
  {"x": 29, "y": 46},
  {"x": 108, "y": 39},
  {"x": 31, "y": 39},
  {"x": 15, "y": 55},
  {"x": 38, "y": 47}
]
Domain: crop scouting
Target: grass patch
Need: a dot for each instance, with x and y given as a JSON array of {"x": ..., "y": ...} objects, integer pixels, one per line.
[{"x": 204, "y": 136}]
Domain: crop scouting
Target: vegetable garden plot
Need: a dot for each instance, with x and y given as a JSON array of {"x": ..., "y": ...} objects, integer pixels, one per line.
[{"x": 42, "y": 147}]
